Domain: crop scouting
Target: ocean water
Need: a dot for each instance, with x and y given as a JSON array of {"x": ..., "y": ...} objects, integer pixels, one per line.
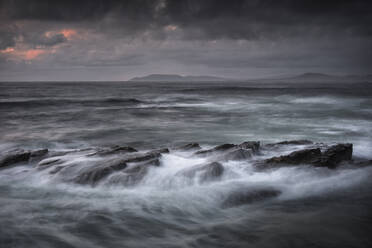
[{"x": 317, "y": 207}]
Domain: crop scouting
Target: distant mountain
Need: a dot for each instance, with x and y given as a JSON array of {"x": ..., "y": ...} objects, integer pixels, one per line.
[{"x": 175, "y": 78}]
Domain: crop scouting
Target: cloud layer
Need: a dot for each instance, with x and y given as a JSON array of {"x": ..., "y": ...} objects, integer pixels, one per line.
[{"x": 115, "y": 40}]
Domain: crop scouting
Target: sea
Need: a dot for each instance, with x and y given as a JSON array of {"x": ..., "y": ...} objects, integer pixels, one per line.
[{"x": 317, "y": 207}]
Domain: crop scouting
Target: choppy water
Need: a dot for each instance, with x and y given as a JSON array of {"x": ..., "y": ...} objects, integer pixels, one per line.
[{"x": 317, "y": 207}]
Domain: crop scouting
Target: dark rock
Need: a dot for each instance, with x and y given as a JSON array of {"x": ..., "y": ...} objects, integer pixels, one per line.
[
  {"x": 190, "y": 146},
  {"x": 93, "y": 175},
  {"x": 306, "y": 156},
  {"x": 253, "y": 145},
  {"x": 13, "y": 157},
  {"x": 144, "y": 157},
  {"x": 49, "y": 162},
  {"x": 240, "y": 154},
  {"x": 206, "y": 172},
  {"x": 39, "y": 153},
  {"x": 114, "y": 150},
  {"x": 137, "y": 171},
  {"x": 291, "y": 142},
  {"x": 162, "y": 150},
  {"x": 336, "y": 154},
  {"x": 248, "y": 197},
  {"x": 133, "y": 175},
  {"x": 219, "y": 148}
]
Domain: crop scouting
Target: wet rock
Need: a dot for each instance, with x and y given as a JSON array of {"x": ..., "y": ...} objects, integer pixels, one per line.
[
  {"x": 248, "y": 197},
  {"x": 206, "y": 172},
  {"x": 39, "y": 153},
  {"x": 114, "y": 150},
  {"x": 306, "y": 156},
  {"x": 162, "y": 150},
  {"x": 49, "y": 162},
  {"x": 132, "y": 175},
  {"x": 147, "y": 156},
  {"x": 219, "y": 148},
  {"x": 94, "y": 175},
  {"x": 290, "y": 142},
  {"x": 239, "y": 154},
  {"x": 252, "y": 145},
  {"x": 190, "y": 146},
  {"x": 336, "y": 154},
  {"x": 14, "y": 157}
]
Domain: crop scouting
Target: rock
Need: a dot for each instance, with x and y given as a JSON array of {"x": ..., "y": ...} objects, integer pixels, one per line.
[
  {"x": 206, "y": 172},
  {"x": 219, "y": 148},
  {"x": 190, "y": 146},
  {"x": 13, "y": 157},
  {"x": 162, "y": 150},
  {"x": 49, "y": 162},
  {"x": 95, "y": 174},
  {"x": 147, "y": 156},
  {"x": 291, "y": 142},
  {"x": 240, "y": 154},
  {"x": 114, "y": 150},
  {"x": 39, "y": 153},
  {"x": 250, "y": 196},
  {"x": 336, "y": 154},
  {"x": 253, "y": 145},
  {"x": 306, "y": 156},
  {"x": 133, "y": 175}
]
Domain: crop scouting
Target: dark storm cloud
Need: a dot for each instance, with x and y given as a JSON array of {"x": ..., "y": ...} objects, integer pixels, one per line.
[
  {"x": 183, "y": 36},
  {"x": 210, "y": 19}
]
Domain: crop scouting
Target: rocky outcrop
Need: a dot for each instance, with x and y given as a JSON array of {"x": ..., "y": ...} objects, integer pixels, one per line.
[
  {"x": 205, "y": 172},
  {"x": 336, "y": 154},
  {"x": 249, "y": 196},
  {"x": 14, "y": 157},
  {"x": 330, "y": 158},
  {"x": 94, "y": 174}
]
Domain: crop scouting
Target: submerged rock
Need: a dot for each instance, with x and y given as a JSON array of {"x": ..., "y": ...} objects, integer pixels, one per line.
[
  {"x": 248, "y": 197},
  {"x": 205, "y": 172},
  {"x": 13, "y": 157},
  {"x": 239, "y": 154}
]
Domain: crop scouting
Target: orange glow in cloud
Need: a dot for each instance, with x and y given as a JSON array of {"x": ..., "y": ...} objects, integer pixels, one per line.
[
  {"x": 68, "y": 33},
  {"x": 8, "y": 50},
  {"x": 33, "y": 53},
  {"x": 30, "y": 54}
]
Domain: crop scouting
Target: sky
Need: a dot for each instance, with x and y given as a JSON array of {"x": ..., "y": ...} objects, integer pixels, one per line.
[{"x": 85, "y": 40}]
